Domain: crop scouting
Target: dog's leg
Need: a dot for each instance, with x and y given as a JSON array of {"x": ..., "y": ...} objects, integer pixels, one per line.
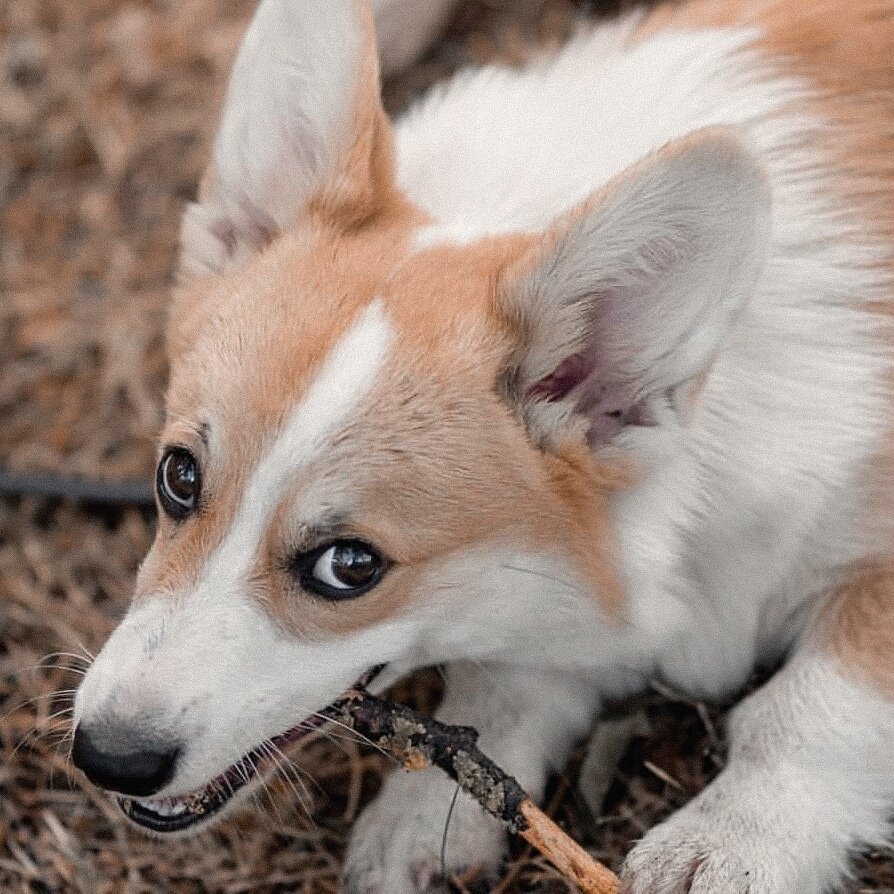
[
  {"x": 809, "y": 780},
  {"x": 406, "y": 28},
  {"x": 528, "y": 720}
]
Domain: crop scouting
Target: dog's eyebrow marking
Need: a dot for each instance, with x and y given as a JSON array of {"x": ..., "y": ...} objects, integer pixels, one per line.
[
  {"x": 345, "y": 377},
  {"x": 187, "y": 432},
  {"x": 322, "y": 530}
]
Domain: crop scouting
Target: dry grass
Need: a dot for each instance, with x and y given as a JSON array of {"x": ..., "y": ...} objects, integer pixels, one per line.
[{"x": 106, "y": 110}]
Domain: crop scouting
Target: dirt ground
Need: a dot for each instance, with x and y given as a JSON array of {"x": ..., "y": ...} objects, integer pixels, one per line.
[{"x": 106, "y": 112}]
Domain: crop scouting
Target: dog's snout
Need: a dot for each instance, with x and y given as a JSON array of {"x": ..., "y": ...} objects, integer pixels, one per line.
[{"x": 123, "y": 763}]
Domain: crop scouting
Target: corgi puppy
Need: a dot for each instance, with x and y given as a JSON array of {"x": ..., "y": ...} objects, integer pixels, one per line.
[{"x": 576, "y": 377}]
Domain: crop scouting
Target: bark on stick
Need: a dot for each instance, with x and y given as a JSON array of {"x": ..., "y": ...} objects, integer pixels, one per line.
[{"x": 418, "y": 741}]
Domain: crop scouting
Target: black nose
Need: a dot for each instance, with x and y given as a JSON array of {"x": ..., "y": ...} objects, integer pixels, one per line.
[{"x": 110, "y": 763}]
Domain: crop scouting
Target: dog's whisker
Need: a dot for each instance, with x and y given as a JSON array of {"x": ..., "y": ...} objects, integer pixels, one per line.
[
  {"x": 357, "y": 736},
  {"x": 75, "y": 656},
  {"x": 37, "y": 735},
  {"x": 263, "y": 786},
  {"x": 66, "y": 668},
  {"x": 536, "y": 572},
  {"x": 285, "y": 765},
  {"x": 61, "y": 694},
  {"x": 89, "y": 655},
  {"x": 279, "y": 771}
]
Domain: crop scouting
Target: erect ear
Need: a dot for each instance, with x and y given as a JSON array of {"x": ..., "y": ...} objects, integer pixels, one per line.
[
  {"x": 624, "y": 305},
  {"x": 302, "y": 124}
]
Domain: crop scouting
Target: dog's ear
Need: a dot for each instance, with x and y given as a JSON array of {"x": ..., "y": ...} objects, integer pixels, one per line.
[
  {"x": 622, "y": 307},
  {"x": 302, "y": 125}
]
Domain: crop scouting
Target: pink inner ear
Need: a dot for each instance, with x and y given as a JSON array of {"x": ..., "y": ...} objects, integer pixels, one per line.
[
  {"x": 255, "y": 228},
  {"x": 607, "y": 407},
  {"x": 568, "y": 375}
]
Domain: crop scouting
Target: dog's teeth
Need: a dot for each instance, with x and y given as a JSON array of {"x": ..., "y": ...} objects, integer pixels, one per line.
[{"x": 166, "y": 808}]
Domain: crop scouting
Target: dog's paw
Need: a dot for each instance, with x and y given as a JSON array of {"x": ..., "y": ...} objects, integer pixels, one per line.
[
  {"x": 706, "y": 851},
  {"x": 675, "y": 859},
  {"x": 396, "y": 843}
]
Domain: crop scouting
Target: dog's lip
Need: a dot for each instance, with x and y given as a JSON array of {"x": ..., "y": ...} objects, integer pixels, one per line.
[{"x": 179, "y": 812}]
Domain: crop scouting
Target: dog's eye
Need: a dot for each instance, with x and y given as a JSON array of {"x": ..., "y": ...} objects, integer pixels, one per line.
[
  {"x": 341, "y": 570},
  {"x": 178, "y": 482}
]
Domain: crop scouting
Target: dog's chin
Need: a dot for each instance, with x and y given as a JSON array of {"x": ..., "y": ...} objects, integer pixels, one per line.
[{"x": 191, "y": 811}]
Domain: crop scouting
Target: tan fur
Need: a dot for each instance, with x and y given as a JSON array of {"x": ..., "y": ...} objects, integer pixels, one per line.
[
  {"x": 364, "y": 183},
  {"x": 844, "y": 51},
  {"x": 858, "y": 626},
  {"x": 422, "y": 488},
  {"x": 243, "y": 371},
  {"x": 418, "y": 495}
]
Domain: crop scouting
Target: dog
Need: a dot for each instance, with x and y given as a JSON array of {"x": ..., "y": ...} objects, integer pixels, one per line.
[{"x": 578, "y": 376}]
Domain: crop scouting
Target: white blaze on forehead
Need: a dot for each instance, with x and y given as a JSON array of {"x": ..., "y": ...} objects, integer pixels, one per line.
[{"x": 345, "y": 377}]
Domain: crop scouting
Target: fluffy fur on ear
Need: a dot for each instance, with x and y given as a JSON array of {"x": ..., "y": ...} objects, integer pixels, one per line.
[
  {"x": 302, "y": 116},
  {"x": 627, "y": 300}
]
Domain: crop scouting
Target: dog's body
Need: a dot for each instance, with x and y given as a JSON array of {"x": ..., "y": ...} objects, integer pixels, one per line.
[{"x": 596, "y": 360}]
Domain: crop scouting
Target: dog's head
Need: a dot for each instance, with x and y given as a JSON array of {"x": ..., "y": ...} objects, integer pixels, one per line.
[{"x": 381, "y": 448}]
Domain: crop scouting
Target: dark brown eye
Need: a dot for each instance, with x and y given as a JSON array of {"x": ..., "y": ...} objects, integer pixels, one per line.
[
  {"x": 342, "y": 570},
  {"x": 178, "y": 482}
]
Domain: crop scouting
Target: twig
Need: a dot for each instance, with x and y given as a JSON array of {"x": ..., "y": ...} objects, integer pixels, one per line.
[
  {"x": 126, "y": 492},
  {"x": 418, "y": 742}
]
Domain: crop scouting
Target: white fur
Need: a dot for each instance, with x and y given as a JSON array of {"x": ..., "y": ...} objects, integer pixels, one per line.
[
  {"x": 727, "y": 543},
  {"x": 734, "y": 532},
  {"x": 808, "y": 782},
  {"x": 348, "y": 374},
  {"x": 208, "y": 667},
  {"x": 286, "y": 120},
  {"x": 396, "y": 846},
  {"x": 753, "y": 511}
]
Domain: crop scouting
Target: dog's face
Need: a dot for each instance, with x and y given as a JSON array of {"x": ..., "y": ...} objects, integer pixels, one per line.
[
  {"x": 341, "y": 483},
  {"x": 381, "y": 453}
]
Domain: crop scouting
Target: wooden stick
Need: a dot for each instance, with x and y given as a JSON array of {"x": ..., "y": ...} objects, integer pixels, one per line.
[
  {"x": 566, "y": 854},
  {"x": 418, "y": 741}
]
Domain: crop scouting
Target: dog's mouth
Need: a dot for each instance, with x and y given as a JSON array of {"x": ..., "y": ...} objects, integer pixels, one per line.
[
  {"x": 185, "y": 812},
  {"x": 182, "y": 812}
]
